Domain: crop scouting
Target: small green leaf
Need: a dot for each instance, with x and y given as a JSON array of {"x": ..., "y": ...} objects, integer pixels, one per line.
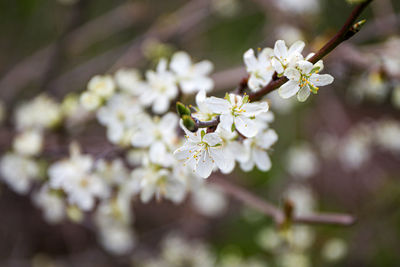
[
  {"x": 233, "y": 128},
  {"x": 246, "y": 99}
]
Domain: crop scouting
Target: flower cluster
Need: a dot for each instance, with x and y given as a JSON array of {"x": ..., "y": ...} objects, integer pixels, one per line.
[
  {"x": 289, "y": 62},
  {"x": 242, "y": 135}
]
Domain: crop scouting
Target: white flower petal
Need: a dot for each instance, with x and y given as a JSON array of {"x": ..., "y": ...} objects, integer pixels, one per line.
[
  {"x": 321, "y": 79},
  {"x": 280, "y": 49},
  {"x": 261, "y": 159},
  {"x": 277, "y": 66},
  {"x": 246, "y": 126},
  {"x": 292, "y": 74},
  {"x": 180, "y": 62},
  {"x": 304, "y": 93},
  {"x": 250, "y": 60},
  {"x": 297, "y": 47},
  {"x": 205, "y": 165},
  {"x": 212, "y": 139},
  {"x": 254, "y": 109},
  {"x": 226, "y": 121},
  {"x": 217, "y": 105},
  {"x": 305, "y": 66},
  {"x": 289, "y": 89}
]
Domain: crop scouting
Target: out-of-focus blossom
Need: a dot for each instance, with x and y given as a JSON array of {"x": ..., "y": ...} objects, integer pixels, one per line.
[
  {"x": 209, "y": 200},
  {"x": 18, "y": 172},
  {"x": 28, "y": 143},
  {"x": 51, "y": 204},
  {"x": 226, "y": 8},
  {"x": 302, "y": 161},
  {"x": 130, "y": 81},
  {"x": 191, "y": 77},
  {"x": 304, "y": 6},
  {"x": 121, "y": 115},
  {"x": 302, "y": 198},
  {"x": 255, "y": 151},
  {"x": 102, "y": 86},
  {"x": 159, "y": 183},
  {"x": 40, "y": 113},
  {"x": 334, "y": 249},
  {"x": 162, "y": 88},
  {"x": 288, "y": 33},
  {"x": 259, "y": 68},
  {"x": 75, "y": 177}
]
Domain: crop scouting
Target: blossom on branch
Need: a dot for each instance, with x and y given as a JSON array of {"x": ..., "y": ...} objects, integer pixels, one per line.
[
  {"x": 304, "y": 79},
  {"x": 237, "y": 113}
]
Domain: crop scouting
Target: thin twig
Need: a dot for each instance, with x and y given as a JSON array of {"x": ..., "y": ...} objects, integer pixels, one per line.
[
  {"x": 346, "y": 32},
  {"x": 277, "y": 215}
]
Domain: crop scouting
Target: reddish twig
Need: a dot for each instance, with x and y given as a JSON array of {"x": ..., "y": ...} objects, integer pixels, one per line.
[
  {"x": 347, "y": 31},
  {"x": 277, "y": 214}
]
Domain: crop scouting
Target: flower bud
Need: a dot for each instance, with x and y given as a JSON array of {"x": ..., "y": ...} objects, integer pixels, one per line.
[
  {"x": 182, "y": 109},
  {"x": 189, "y": 123}
]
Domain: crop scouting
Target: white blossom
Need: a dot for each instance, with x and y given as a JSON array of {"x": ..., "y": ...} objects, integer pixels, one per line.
[
  {"x": 209, "y": 200},
  {"x": 303, "y": 79},
  {"x": 255, "y": 151},
  {"x": 259, "y": 68},
  {"x": 160, "y": 135},
  {"x": 235, "y": 111},
  {"x": 191, "y": 77},
  {"x": 102, "y": 86},
  {"x": 302, "y": 161},
  {"x": 90, "y": 101},
  {"x": 303, "y": 6},
  {"x": 302, "y": 197},
  {"x": 51, "y": 204},
  {"x": 121, "y": 115},
  {"x": 158, "y": 182},
  {"x": 334, "y": 249},
  {"x": 202, "y": 152},
  {"x": 18, "y": 172},
  {"x": 40, "y": 113},
  {"x": 113, "y": 219},
  {"x": 130, "y": 81},
  {"x": 28, "y": 143},
  {"x": 202, "y": 113},
  {"x": 74, "y": 175},
  {"x": 161, "y": 89},
  {"x": 284, "y": 58}
]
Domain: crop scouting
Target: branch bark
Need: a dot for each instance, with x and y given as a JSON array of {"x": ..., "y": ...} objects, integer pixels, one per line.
[
  {"x": 346, "y": 32},
  {"x": 277, "y": 214}
]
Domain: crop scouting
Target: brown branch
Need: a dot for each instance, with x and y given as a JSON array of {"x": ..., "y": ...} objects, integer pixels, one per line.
[
  {"x": 347, "y": 31},
  {"x": 100, "y": 28},
  {"x": 277, "y": 214}
]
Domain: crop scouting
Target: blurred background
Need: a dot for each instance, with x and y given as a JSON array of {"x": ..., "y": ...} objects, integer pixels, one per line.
[{"x": 339, "y": 151}]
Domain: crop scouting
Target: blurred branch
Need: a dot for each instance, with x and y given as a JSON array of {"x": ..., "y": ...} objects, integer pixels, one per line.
[
  {"x": 347, "y": 31},
  {"x": 79, "y": 39},
  {"x": 58, "y": 54},
  {"x": 278, "y": 215},
  {"x": 127, "y": 55}
]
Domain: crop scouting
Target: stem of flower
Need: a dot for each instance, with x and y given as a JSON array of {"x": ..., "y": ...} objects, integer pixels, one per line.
[{"x": 348, "y": 30}]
